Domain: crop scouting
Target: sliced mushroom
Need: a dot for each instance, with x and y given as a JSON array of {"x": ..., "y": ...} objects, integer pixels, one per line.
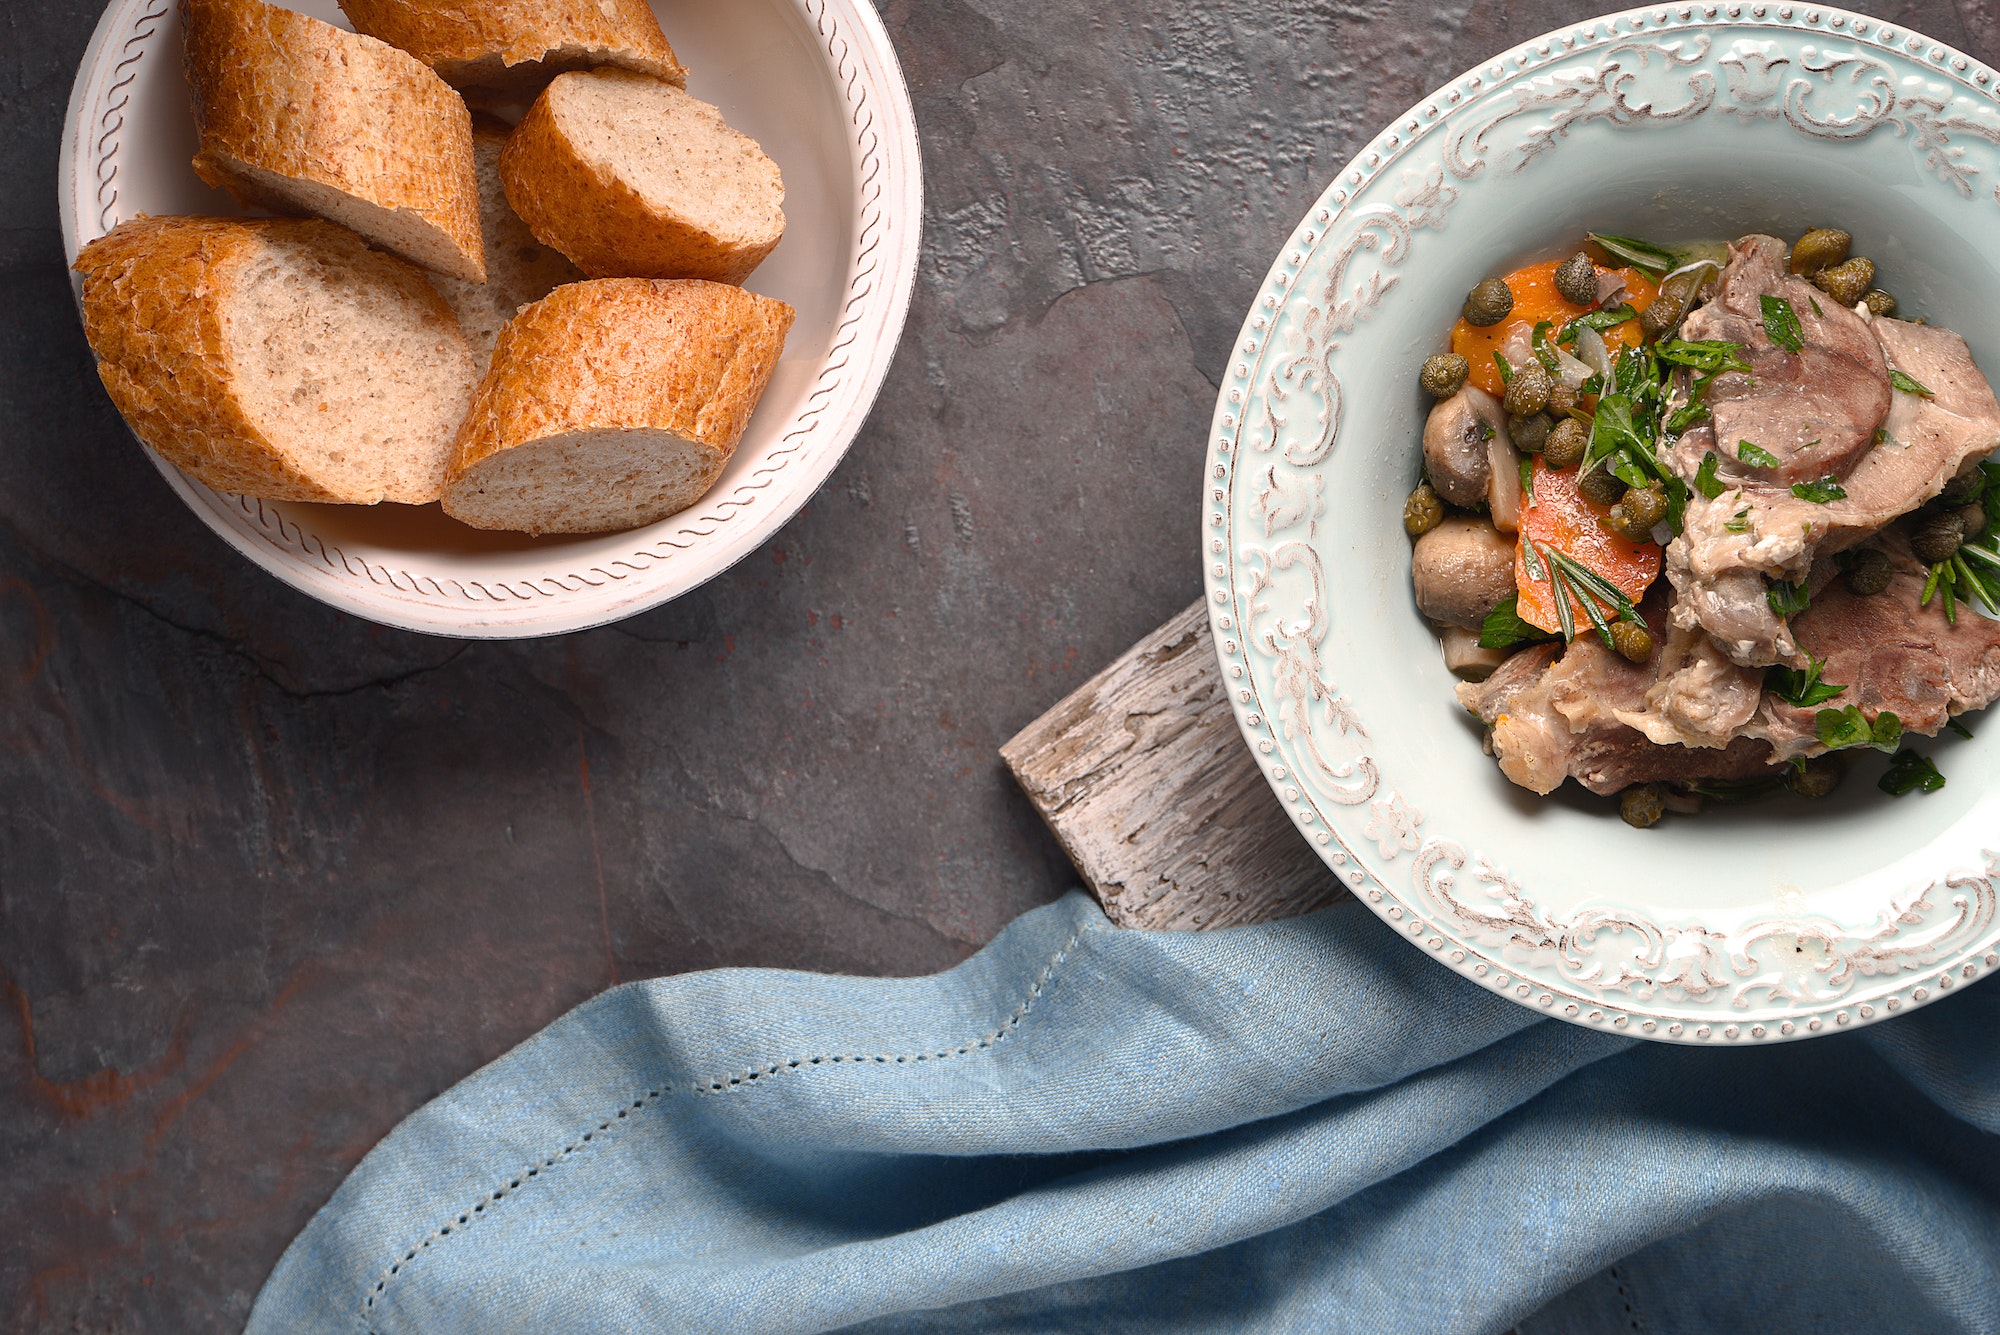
[
  {"x": 1457, "y": 437},
  {"x": 1463, "y": 655},
  {"x": 1503, "y": 487},
  {"x": 1462, "y": 569}
]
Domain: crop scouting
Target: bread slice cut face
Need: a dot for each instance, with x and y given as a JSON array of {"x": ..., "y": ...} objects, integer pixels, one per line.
[
  {"x": 297, "y": 116},
  {"x": 501, "y": 51},
  {"x": 278, "y": 357},
  {"x": 613, "y": 404},
  {"x": 519, "y": 269},
  {"x": 629, "y": 176}
]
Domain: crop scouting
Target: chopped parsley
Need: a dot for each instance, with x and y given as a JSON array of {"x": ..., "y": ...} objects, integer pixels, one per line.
[
  {"x": 1910, "y": 773},
  {"x": 1815, "y": 305},
  {"x": 1506, "y": 628},
  {"x": 1958, "y": 726},
  {"x": 1802, "y": 688},
  {"x": 1755, "y": 455},
  {"x": 1705, "y": 480},
  {"x": 1843, "y": 729},
  {"x": 1909, "y": 386},
  {"x": 1788, "y": 600},
  {"x": 1506, "y": 371},
  {"x": 1822, "y": 492},
  {"x": 1740, "y": 521},
  {"x": 1781, "y": 323}
]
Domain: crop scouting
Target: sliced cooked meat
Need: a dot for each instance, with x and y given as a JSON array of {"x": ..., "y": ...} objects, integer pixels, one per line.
[
  {"x": 1554, "y": 714},
  {"x": 1756, "y": 530},
  {"x": 1892, "y": 654},
  {"x": 1701, "y": 699},
  {"x": 1814, "y": 410}
]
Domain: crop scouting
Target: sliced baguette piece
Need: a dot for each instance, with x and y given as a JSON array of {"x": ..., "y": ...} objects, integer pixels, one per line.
[
  {"x": 278, "y": 357},
  {"x": 297, "y": 116},
  {"x": 519, "y": 269},
  {"x": 613, "y": 403},
  {"x": 632, "y": 177},
  {"x": 508, "y": 50}
]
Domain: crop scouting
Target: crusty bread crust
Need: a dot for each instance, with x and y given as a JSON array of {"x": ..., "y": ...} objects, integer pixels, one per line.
[
  {"x": 685, "y": 359},
  {"x": 510, "y": 49},
  {"x": 298, "y": 116},
  {"x": 589, "y": 212},
  {"x": 156, "y": 303}
]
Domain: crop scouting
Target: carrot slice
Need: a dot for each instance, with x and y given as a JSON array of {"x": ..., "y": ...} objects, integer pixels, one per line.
[
  {"x": 1535, "y": 300},
  {"x": 1560, "y": 516}
]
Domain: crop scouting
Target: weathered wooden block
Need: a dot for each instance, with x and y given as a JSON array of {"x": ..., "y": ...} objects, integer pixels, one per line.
[{"x": 1144, "y": 778}]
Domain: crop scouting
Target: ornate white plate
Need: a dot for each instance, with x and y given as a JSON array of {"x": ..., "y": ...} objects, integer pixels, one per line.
[
  {"x": 1760, "y": 923},
  {"x": 815, "y": 81}
]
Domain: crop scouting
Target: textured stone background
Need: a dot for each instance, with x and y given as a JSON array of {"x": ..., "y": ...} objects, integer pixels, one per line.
[{"x": 270, "y": 877}]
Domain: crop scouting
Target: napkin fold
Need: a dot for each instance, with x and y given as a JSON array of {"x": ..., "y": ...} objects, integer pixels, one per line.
[{"x": 1301, "y": 1126}]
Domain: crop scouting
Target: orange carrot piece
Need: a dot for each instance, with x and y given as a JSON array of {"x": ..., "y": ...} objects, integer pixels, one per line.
[
  {"x": 1535, "y": 300},
  {"x": 1560, "y": 516}
]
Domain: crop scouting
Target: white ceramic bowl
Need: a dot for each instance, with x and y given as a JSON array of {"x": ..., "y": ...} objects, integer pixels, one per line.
[
  {"x": 1761, "y": 923},
  {"x": 814, "y": 81}
]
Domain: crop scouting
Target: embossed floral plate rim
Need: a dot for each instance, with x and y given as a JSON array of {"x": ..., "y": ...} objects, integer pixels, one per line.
[
  {"x": 1781, "y": 972},
  {"x": 857, "y": 155}
]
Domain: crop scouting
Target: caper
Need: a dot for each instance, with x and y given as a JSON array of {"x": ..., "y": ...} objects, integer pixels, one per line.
[
  {"x": 1817, "y": 777},
  {"x": 1528, "y": 391},
  {"x": 1642, "y": 805},
  {"x": 1937, "y": 537},
  {"x": 1878, "y": 302},
  {"x": 1423, "y": 511},
  {"x": 1671, "y": 304},
  {"x": 1869, "y": 572},
  {"x": 1576, "y": 280},
  {"x": 1846, "y": 283},
  {"x": 1563, "y": 400},
  {"x": 1566, "y": 445},
  {"x": 1635, "y": 516},
  {"x": 1963, "y": 488},
  {"x": 1632, "y": 640},
  {"x": 1489, "y": 303},
  {"x": 1601, "y": 486},
  {"x": 1444, "y": 375},
  {"x": 1972, "y": 520},
  {"x": 1820, "y": 248},
  {"x": 1528, "y": 433}
]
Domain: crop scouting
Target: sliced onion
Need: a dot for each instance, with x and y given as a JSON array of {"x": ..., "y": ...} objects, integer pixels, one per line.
[
  {"x": 1590, "y": 350},
  {"x": 1610, "y": 288},
  {"x": 1503, "y": 493},
  {"x": 1569, "y": 370}
]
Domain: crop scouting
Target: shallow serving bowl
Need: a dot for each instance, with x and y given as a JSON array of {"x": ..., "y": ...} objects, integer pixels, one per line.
[
  {"x": 815, "y": 81},
  {"x": 1763, "y": 922}
]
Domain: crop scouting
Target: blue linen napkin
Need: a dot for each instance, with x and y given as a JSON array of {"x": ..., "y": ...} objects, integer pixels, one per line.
[{"x": 1305, "y": 1126}]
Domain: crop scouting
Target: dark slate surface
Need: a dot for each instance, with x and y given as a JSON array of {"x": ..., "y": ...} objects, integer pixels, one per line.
[{"x": 270, "y": 877}]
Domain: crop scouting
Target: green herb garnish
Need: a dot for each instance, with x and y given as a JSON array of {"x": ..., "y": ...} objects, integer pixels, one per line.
[
  {"x": 1506, "y": 371},
  {"x": 1815, "y": 305},
  {"x": 1505, "y": 627},
  {"x": 1781, "y": 323},
  {"x": 1958, "y": 726},
  {"x": 1572, "y": 580},
  {"x": 1705, "y": 480},
  {"x": 1713, "y": 355},
  {"x": 1740, "y": 521},
  {"x": 1788, "y": 600},
  {"x": 1909, "y": 773},
  {"x": 1538, "y": 339},
  {"x": 1822, "y": 492},
  {"x": 1640, "y": 254},
  {"x": 1755, "y": 455},
  {"x": 1842, "y": 729},
  {"x": 1909, "y": 386},
  {"x": 1801, "y": 688}
]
